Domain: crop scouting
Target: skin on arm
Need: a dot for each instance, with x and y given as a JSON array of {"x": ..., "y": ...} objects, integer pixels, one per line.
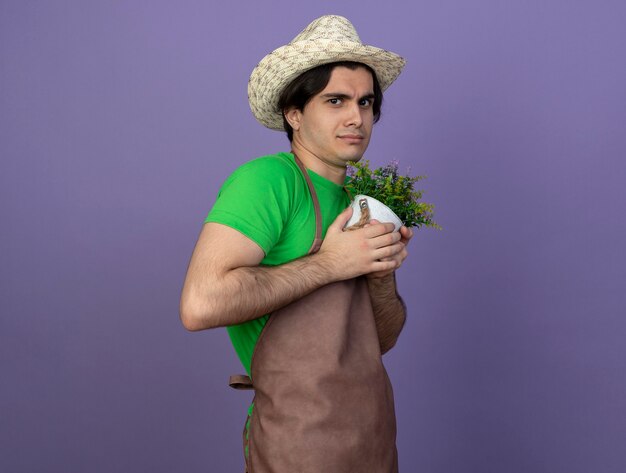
[
  {"x": 389, "y": 308},
  {"x": 225, "y": 284}
]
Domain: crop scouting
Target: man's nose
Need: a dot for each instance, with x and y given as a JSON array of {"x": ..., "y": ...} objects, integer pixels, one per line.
[{"x": 354, "y": 115}]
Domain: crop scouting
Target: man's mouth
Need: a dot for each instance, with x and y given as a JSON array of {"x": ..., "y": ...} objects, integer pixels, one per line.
[{"x": 352, "y": 138}]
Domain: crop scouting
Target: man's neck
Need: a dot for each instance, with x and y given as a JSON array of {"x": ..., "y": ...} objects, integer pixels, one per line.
[{"x": 319, "y": 165}]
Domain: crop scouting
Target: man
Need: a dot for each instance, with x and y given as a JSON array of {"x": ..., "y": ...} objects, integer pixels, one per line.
[{"x": 274, "y": 244}]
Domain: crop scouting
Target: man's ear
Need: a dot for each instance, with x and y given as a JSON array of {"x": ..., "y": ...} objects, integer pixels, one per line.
[{"x": 293, "y": 117}]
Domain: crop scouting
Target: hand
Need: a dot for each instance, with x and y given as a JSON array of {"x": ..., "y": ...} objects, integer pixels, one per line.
[
  {"x": 369, "y": 250},
  {"x": 405, "y": 236}
]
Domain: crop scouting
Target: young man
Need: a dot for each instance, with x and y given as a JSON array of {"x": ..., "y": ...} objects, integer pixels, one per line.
[{"x": 309, "y": 307}]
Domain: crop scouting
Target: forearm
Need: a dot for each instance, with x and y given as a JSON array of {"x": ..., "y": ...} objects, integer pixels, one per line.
[
  {"x": 389, "y": 310},
  {"x": 226, "y": 286},
  {"x": 246, "y": 293}
]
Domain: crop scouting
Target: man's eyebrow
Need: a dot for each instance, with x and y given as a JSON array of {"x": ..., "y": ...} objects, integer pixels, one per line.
[{"x": 339, "y": 95}]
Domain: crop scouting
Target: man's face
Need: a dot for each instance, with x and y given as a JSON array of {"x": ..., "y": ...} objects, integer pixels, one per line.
[{"x": 336, "y": 124}]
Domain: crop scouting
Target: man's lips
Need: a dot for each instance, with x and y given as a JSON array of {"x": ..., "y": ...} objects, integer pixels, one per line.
[{"x": 352, "y": 138}]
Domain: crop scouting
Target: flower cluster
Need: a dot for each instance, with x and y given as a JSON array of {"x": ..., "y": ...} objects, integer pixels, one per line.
[{"x": 392, "y": 189}]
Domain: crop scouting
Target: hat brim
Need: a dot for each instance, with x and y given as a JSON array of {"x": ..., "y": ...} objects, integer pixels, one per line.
[{"x": 279, "y": 68}]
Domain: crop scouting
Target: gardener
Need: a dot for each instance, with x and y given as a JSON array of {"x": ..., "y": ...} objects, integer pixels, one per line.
[{"x": 309, "y": 308}]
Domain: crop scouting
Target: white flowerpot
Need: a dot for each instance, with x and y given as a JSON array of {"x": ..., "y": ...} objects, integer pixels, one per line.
[{"x": 378, "y": 211}]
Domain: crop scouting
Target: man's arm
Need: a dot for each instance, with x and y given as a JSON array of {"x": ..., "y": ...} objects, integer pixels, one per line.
[
  {"x": 389, "y": 308},
  {"x": 225, "y": 284}
]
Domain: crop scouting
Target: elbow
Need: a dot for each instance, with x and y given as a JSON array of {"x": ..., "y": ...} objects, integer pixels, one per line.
[
  {"x": 193, "y": 316},
  {"x": 189, "y": 321}
]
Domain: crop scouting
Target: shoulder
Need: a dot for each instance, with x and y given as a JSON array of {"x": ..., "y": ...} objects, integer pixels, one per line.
[
  {"x": 269, "y": 169},
  {"x": 257, "y": 198}
]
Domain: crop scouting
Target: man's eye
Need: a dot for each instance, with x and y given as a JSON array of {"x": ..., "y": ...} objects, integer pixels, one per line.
[
  {"x": 335, "y": 101},
  {"x": 366, "y": 102}
]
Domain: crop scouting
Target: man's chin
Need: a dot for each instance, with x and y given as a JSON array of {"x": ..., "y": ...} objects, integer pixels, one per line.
[
  {"x": 355, "y": 158},
  {"x": 355, "y": 153}
]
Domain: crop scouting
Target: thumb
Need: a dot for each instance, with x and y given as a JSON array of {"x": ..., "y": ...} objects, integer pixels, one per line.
[{"x": 341, "y": 220}]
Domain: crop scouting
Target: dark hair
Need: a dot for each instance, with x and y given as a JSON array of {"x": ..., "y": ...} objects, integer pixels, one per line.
[{"x": 298, "y": 93}]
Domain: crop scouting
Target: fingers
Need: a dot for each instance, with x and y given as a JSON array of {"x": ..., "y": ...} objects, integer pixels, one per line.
[
  {"x": 406, "y": 233},
  {"x": 395, "y": 252},
  {"x": 341, "y": 220},
  {"x": 381, "y": 268},
  {"x": 373, "y": 230},
  {"x": 385, "y": 239},
  {"x": 374, "y": 249}
]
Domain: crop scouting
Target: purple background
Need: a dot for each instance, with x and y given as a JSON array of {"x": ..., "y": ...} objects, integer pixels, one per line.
[{"x": 119, "y": 121}]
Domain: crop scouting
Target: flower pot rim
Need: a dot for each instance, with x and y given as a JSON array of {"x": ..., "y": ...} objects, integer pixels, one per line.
[{"x": 381, "y": 203}]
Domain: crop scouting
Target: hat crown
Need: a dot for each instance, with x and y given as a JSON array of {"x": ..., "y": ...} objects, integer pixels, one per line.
[{"x": 329, "y": 27}]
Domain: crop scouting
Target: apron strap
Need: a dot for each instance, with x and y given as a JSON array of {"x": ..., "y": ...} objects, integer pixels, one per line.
[
  {"x": 348, "y": 192},
  {"x": 317, "y": 241},
  {"x": 240, "y": 381}
]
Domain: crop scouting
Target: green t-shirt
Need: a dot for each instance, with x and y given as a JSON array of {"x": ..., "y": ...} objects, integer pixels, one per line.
[{"x": 268, "y": 201}]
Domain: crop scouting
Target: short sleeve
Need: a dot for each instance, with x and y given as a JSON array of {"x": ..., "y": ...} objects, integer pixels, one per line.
[{"x": 255, "y": 201}]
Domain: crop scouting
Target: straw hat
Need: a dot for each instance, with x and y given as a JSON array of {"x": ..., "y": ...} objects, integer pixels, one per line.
[{"x": 330, "y": 38}]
